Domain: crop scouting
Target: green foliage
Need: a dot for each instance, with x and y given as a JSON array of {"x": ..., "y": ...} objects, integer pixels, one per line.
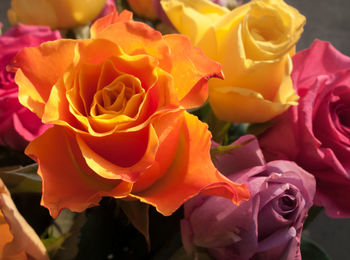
[
  {"x": 20, "y": 179},
  {"x": 54, "y": 244},
  {"x": 312, "y": 214},
  {"x": 311, "y": 251}
]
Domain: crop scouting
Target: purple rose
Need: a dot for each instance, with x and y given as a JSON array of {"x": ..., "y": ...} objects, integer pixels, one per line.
[
  {"x": 316, "y": 133},
  {"x": 17, "y": 124},
  {"x": 268, "y": 225}
]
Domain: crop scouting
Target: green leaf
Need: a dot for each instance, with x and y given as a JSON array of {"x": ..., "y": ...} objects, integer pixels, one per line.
[
  {"x": 217, "y": 127},
  {"x": 314, "y": 211},
  {"x": 53, "y": 244},
  {"x": 137, "y": 213},
  {"x": 223, "y": 149},
  {"x": 259, "y": 128},
  {"x": 311, "y": 251},
  {"x": 235, "y": 131},
  {"x": 21, "y": 179}
]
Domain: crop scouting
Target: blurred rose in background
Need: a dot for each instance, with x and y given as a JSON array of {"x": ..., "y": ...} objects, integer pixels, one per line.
[
  {"x": 18, "y": 125},
  {"x": 55, "y": 13}
]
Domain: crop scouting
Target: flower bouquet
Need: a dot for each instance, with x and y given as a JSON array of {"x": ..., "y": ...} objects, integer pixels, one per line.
[{"x": 168, "y": 129}]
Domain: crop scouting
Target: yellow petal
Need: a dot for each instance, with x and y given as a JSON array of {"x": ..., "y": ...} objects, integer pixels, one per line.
[{"x": 53, "y": 13}]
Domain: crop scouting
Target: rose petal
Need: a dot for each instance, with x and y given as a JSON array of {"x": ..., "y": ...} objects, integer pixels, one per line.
[
  {"x": 191, "y": 70},
  {"x": 102, "y": 23},
  {"x": 240, "y": 158},
  {"x": 136, "y": 152},
  {"x": 67, "y": 180},
  {"x": 320, "y": 59},
  {"x": 39, "y": 70},
  {"x": 230, "y": 98},
  {"x": 138, "y": 38},
  {"x": 190, "y": 173}
]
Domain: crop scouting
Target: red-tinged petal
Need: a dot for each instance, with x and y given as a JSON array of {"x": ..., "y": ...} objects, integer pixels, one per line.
[
  {"x": 190, "y": 173},
  {"x": 191, "y": 70},
  {"x": 67, "y": 180},
  {"x": 107, "y": 20},
  {"x": 40, "y": 68},
  {"x": 120, "y": 156},
  {"x": 138, "y": 38},
  {"x": 168, "y": 127}
]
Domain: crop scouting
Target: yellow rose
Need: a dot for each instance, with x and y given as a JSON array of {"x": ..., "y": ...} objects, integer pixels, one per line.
[
  {"x": 54, "y": 13},
  {"x": 253, "y": 43}
]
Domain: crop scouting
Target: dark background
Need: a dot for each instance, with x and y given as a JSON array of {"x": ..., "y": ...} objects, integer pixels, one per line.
[{"x": 329, "y": 21}]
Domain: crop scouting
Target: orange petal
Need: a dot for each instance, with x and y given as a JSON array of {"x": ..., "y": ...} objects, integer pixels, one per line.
[
  {"x": 121, "y": 156},
  {"x": 140, "y": 66},
  {"x": 191, "y": 70},
  {"x": 190, "y": 173},
  {"x": 167, "y": 126},
  {"x": 73, "y": 93},
  {"x": 67, "y": 180},
  {"x": 138, "y": 38},
  {"x": 39, "y": 69},
  {"x": 17, "y": 240},
  {"x": 96, "y": 51},
  {"x": 107, "y": 20},
  {"x": 57, "y": 111},
  {"x": 160, "y": 98}
]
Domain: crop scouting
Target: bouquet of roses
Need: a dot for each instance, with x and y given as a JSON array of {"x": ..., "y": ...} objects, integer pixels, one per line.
[{"x": 200, "y": 109}]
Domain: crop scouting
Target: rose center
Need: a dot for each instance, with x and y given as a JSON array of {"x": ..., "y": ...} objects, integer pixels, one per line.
[
  {"x": 265, "y": 25},
  {"x": 121, "y": 97},
  {"x": 344, "y": 117},
  {"x": 286, "y": 204}
]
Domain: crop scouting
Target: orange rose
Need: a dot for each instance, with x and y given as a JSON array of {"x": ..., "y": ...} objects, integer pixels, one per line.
[
  {"x": 117, "y": 102},
  {"x": 17, "y": 239}
]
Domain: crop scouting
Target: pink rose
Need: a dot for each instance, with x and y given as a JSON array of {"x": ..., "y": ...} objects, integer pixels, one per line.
[
  {"x": 107, "y": 9},
  {"x": 316, "y": 134},
  {"x": 268, "y": 226},
  {"x": 17, "y": 124}
]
